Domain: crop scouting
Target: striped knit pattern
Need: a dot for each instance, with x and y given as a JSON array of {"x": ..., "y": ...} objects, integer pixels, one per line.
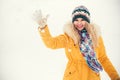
[{"x": 88, "y": 52}]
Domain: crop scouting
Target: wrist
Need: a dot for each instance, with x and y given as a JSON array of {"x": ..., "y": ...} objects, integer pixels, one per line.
[{"x": 41, "y": 28}]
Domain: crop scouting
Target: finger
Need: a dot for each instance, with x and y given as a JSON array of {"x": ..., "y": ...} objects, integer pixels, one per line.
[
  {"x": 35, "y": 15},
  {"x": 40, "y": 13},
  {"x": 47, "y": 16},
  {"x": 44, "y": 20}
]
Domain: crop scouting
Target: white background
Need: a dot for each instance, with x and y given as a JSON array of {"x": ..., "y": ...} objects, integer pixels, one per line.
[{"x": 23, "y": 56}]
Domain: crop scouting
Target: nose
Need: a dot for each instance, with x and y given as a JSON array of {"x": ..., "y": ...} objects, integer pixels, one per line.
[{"x": 80, "y": 19}]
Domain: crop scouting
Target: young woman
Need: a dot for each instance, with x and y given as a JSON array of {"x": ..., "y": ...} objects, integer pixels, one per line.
[{"x": 83, "y": 45}]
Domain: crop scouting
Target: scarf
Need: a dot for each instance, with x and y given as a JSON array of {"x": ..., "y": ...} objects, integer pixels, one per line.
[{"x": 86, "y": 48}]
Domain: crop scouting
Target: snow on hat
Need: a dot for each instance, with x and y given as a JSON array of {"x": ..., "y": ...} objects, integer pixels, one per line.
[{"x": 81, "y": 12}]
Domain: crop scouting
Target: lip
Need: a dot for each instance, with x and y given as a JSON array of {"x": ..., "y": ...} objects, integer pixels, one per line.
[{"x": 79, "y": 25}]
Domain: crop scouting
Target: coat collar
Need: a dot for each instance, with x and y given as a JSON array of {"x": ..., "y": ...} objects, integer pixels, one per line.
[{"x": 71, "y": 31}]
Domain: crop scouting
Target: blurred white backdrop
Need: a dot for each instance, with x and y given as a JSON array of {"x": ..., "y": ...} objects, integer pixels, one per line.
[{"x": 23, "y": 56}]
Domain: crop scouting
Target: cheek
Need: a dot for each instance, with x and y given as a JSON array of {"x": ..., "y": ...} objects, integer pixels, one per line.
[
  {"x": 75, "y": 23},
  {"x": 83, "y": 23}
]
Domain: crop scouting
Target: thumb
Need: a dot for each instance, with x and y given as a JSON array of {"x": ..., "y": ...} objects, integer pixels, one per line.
[{"x": 47, "y": 16}]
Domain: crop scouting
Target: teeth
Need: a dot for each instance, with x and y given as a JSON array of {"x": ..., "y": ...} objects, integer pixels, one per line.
[{"x": 79, "y": 25}]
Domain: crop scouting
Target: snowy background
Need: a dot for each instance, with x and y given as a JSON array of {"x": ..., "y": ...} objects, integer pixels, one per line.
[{"x": 23, "y": 56}]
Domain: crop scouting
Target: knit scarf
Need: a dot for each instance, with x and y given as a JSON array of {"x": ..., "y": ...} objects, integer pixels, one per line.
[{"x": 86, "y": 48}]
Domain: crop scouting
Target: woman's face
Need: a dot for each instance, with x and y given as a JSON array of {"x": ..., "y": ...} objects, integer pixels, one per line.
[{"x": 79, "y": 23}]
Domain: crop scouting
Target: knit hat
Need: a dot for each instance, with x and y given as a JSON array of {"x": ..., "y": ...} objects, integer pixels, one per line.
[{"x": 81, "y": 12}]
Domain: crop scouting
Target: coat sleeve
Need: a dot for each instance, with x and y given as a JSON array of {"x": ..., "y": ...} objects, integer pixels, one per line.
[
  {"x": 105, "y": 62},
  {"x": 52, "y": 42}
]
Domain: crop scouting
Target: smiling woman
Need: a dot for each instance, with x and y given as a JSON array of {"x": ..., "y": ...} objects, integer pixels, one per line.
[
  {"x": 23, "y": 55},
  {"x": 84, "y": 46}
]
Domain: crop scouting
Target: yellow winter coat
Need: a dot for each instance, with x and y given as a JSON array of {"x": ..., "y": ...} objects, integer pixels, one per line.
[{"x": 76, "y": 68}]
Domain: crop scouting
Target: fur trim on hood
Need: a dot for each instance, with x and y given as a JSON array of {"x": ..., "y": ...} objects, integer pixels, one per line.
[{"x": 72, "y": 32}]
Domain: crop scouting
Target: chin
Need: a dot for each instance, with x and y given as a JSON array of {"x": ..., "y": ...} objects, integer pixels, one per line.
[{"x": 80, "y": 29}]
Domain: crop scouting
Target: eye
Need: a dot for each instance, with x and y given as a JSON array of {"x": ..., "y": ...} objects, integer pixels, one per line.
[
  {"x": 76, "y": 19},
  {"x": 85, "y": 12},
  {"x": 82, "y": 19}
]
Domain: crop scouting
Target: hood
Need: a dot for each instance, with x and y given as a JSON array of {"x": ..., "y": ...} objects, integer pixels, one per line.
[{"x": 72, "y": 32}]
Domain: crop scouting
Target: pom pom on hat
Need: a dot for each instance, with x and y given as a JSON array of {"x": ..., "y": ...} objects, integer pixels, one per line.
[{"x": 81, "y": 12}]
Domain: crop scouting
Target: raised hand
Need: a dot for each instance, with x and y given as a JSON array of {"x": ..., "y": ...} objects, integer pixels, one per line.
[{"x": 40, "y": 19}]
